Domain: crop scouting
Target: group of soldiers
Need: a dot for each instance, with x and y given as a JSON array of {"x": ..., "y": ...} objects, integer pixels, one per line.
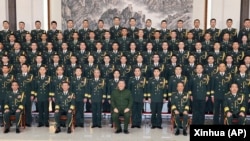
[{"x": 195, "y": 70}]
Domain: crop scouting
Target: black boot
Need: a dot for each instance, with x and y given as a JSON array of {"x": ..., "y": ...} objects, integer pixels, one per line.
[
  {"x": 184, "y": 132},
  {"x": 69, "y": 130},
  {"x": 177, "y": 132},
  {"x": 7, "y": 130},
  {"x": 17, "y": 130},
  {"x": 58, "y": 130}
]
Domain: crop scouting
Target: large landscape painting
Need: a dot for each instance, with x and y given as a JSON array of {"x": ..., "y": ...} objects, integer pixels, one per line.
[{"x": 156, "y": 10}]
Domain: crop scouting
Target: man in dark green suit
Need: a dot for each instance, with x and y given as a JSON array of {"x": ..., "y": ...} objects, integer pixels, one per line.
[
  {"x": 232, "y": 31},
  {"x": 245, "y": 30},
  {"x": 67, "y": 33},
  {"x": 235, "y": 106},
  {"x": 21, "y": 33},
  {"x": 214, "y": 32},
  {"x": 121, "y": 102},
  {"x": 180, "y": 31},
  {"x": 14, "y": 105},
  {"x": 180, "y": 108},
  {"x": 148, "y": 30},
  {"x": 37, "y": 33},
  {"x": 52, "y": 33},
  {"x": 42, "y": 88},
  {"x": 99, "y": 32},
  {"x": 197, "y": 32},
  {"x": 137, "y": 86},
  {"x": 4, "y": 34},
  {"x": 25, "y": 81},
  {"x": 220, "y": 84},
  {"x": 78, "y": 87},
  {"x": 65, "y": 104},
  {"x": 84, "y": 32},
  {"x": 115, "y": 30},
  {"x": 165, "y": 33},
  {"x": 96, "y": 92},
  {"x": 157, "y": 94},
  {"x": 132, "y": 30},
  {"x": 199, "y": 91}
]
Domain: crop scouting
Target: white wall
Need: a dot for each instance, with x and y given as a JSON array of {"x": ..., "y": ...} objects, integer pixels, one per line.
[
  {"x": 3, "y": 11},
  {"x": 29, "y": 11},
  {"x": 221, "y": 10},
  {"x": 199, "y": 11},
  {"x": 55, "y": 12}
]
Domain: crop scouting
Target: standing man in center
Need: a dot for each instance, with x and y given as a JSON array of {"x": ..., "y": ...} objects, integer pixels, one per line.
[
  {"x": 157, "y": 94},
  {"x": 97, "y": 95},
  {"x": 199, "y": 92}
]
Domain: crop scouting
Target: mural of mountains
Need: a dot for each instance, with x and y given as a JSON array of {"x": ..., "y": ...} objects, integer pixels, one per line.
[{"x": 156, "y": 10}]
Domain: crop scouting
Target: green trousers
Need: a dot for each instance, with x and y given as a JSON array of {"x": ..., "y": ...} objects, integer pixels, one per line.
[
  {"x": 241, "y": 120},
  {"x": 181, "y": 124},
  {"x": 96, "y": 113},
  {"x": 156, "y": 109},
  {"x": 137, "y": 113},
  {"x": 79, "y": 113},
  {"x": 43, "y": 110},
  {"x": 63, "y": 112},
  {"x": 6, "y": 118},
  {"x": 115, "y": 117}
]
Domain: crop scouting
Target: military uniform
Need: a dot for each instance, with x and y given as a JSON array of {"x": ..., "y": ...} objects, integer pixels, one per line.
[
  {"x": 82, "y": 56},
  {"x": 133, "y": 32},
  {"x": 115, "y": 57},
  {"x": 215, "y": 34},
  {"x": 190, "y": 45},
  {"x": 78, "y": 87},
  {"x": 226, "y": 46},
  {"x": 121, "y": 99},
  {"x": 115, "y": 33},
  {"x": 147, "y": 57},
  {"x": 13, "y": 101},
  {"x": 210, "y": 70},
  {"x": 199, "y": 90},
  {"x": 198, "y": 34},
  {"x": 220, "y": 85},
  {"x": 165, "y": 56},
  {"x": 84, "y": 34},
  {"x": 165, "y": 34},
  {"x": 169, "y": 71},
  {"x": 141, "y": 44},
  {"x": 57, "y": 45},
  {"x": 70, "y": 69},
  {"x": 232, "y": 69},
  {"x": 181, "y": 34},
  {"x": 68, "y": 34},
  {"x": 96, "y": 93},
  {"x": 47, "y": 57},
  {"x": 42, "y": 88},
  {"x": 52, "y": 35},
  {"x": 14, "y": 56},
  {"x": 180, "y": 102},
  {"x": 25, "y": 85},
  {"x": 157, "y": 45},
  {"x": 125, "y": 72},
  {"x": 65, "y": 57},
  {"x": 232, "y": 33},
  {"x": 157, "y": 92},
  {"x": 238, "y": 57},
  {"x": 42, "y": 46},
  {"x": 20, "y": 35},
  {"x": 5, "y": 84},
  {"x": 65, "y": 101},
  {"x": 31, "y": 56},
  {"x": 124, "y": 43},
  {"x": 34, "y": 69},
  {"x": 173, "y": 45},
  {"x": 36, "y": 35},
  {"x": 99, "y": 56},
  {"x": 99, "y": 34},
  {"x": 148, "y": 33},
  {"x": 243, "y": 83},
  {"x": 26, "y": 46},
  {"x": 52, "y": 69},
  {"x": 131, "y": 56},
  {"x": 4, "y": 35},
  {"x": 74, "y": 45},
  {"x": 91, "y": 45},
  {"x": 235, "y": 105},
  {"x": 8, "y": 46},
  {"x": 107, "y": 44},
  {"x": 150, "y": 72},
  {"x": 88, "y": 70},
  {"x": 137, "y": 87},
  {"x": 182, "y": 57},
  {"x": 219, "y": 57},
  {"x": 143, "y": 68},
  {"x": 242, "y": 32},
  {"x": 207, "y": 46},
  {"x": 200, "y": 57}
]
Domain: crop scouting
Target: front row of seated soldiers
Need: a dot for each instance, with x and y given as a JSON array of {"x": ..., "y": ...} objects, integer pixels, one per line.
[{"x": 42, "y": 87}]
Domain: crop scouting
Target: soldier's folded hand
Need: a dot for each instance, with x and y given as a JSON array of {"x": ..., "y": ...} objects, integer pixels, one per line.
[
  {"x": 242, "y": 114},
  {"x": 6, "y": 111},
  {"x": 85, "y": 100},
  {"x": 116, "y": 110},
  {"x": 19, "y": 96},
  {"x": 185, "y": 112},
  {"x": 229, "y": 114},
  {"x": 126, "y": 110},
  {"x": 176, "y": 112}
]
